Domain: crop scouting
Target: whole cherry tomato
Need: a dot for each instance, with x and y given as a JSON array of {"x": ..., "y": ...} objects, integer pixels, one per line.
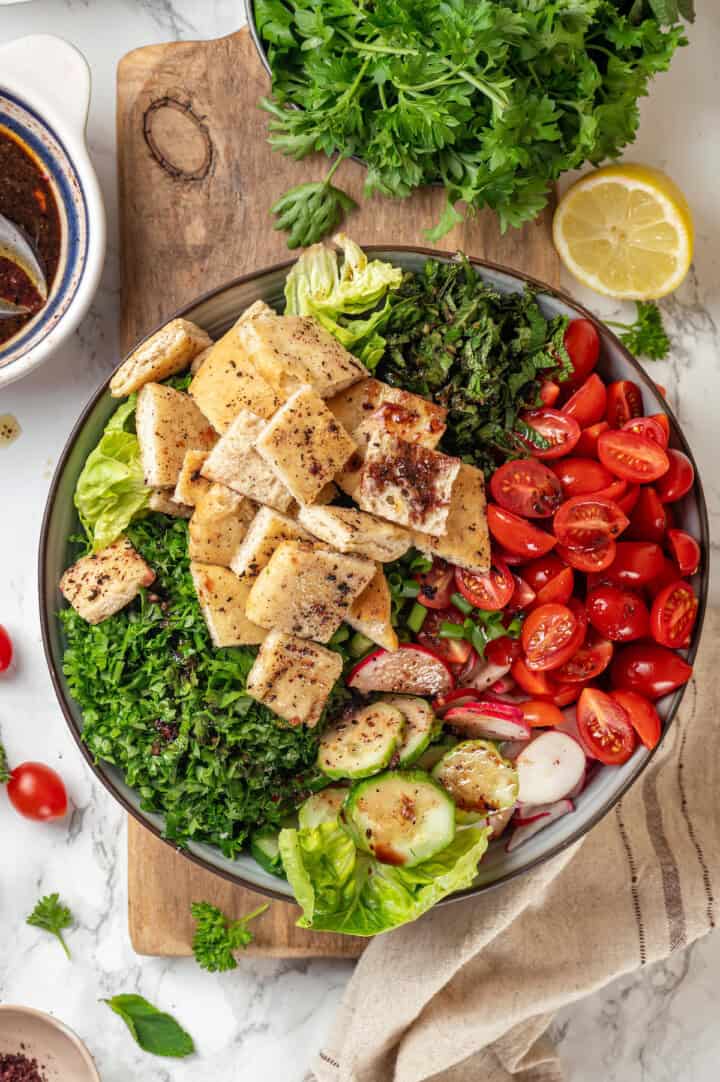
[
  {"x": 582, "y": 342},
  {"x": 679, "y": 478},
  {"x": 648, "y": 519},
  {"x": 604, "y": 727},
  {"x": 644, "y": 718},
  {"x": 36, "y": 791},
  {"x": 516, "y": 535},
  {"x": 620, "y": 615},
  {"x": 635, "y": 563},
  {"x": 650, "y": 669},
  {"x": 6, "y": 650},
  {"x": 624, "y": 401},
  {"x": 526, "y": 487},
  {"x": 685, "y": 550},
  {"x": 673, "y": 614}
]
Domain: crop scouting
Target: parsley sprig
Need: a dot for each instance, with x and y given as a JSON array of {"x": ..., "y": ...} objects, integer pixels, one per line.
[
  {"x": 492, "y": 98},
  {"x": 52, "y": 916},
  {"x": 646, "y": 337},
  {"x": 4, "y": 768},
  {"x": 308, "y": 212},
  {"x": 216, "y": 937}
]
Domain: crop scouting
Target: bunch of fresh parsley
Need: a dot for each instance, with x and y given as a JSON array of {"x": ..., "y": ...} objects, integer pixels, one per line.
[
  {"x": 455, "y": 339},
  {"x": 492, "y": 98}
]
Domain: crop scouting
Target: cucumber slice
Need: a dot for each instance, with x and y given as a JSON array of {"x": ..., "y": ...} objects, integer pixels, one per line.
[
  {"x": 478, "y": 779},
  {"x": 420, "y": 725},
  {"x": 266, "y": 851},
  {"x": 322, "y": 807},
  {"x": 401, "y": 817},
  {"x": 361, "y": 743},
  {"x": 434, "y": 753}
]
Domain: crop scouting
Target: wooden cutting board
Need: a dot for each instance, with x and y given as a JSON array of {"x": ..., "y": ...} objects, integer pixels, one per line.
[{"x": 196, "y": 180}]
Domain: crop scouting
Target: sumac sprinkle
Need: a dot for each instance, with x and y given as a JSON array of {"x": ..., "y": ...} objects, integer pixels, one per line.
[{"x": 16, "y": 1067}]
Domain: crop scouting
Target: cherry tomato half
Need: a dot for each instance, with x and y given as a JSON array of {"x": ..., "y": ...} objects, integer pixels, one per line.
[
  {"x": 533, "y": 682},
  {"x": 627, "y": 500},
  {"x": 526, "y": 487},
  {"x": 550, "y": 636},
  {"x": 452, "y": 651},
  {"x": 619, "y": 615},
  {"x": 673, "y": 614},
  {"x": 648, "y": 519},
  {"x": 589, "y": 560},
  {"x": 560, "y": 431},
  {"x": 578, "y": 476},
  {"x": 643, "y": 716},
  {"x": 539, "y": 714},
  {"x": 582, "y": 342},
  {"x": 624, "y": 401},
  {"x": 679, "y": 478},
  {"x": 503, "y": 651},
  {"x": 591, "y": 659},
  {"x": 585, "y": 522},
  {"x": 632, "y": 457},
  {"x": 587, "y": 406},
  {"x": 523, "y": 596},
  {"x": 650, "y": 669},
  {"x": 685, "y": 550},
  {"x": 538, "y": 573},
  {"x": 436, "y": 585},
  {"x": 668, "y": 573},
  {"x": 6, "y": 650},
  {"x": 491, "y": 591},
  {"x": 664, "y": 421},
  {"x": 605, "y": 727},
  {"x": 636, "y": 563},
  {"x": 587, "y": 444},
  {"x": 36, "y": 791},
  {"x": 516, "y": 535},
  {"x": 650, "y": 428},
  {"x": 549, "y": 392}
]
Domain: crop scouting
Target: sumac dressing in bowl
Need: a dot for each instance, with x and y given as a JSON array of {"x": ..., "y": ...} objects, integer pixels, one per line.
[{"x": 26, "y": 200}]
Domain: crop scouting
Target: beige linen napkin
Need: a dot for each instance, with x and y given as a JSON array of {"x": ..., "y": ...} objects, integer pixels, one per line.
[{"x": 468, "y": 991}]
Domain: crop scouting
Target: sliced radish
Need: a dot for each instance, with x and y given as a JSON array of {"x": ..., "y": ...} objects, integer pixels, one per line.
[
  {"x": 489, "y": 721},
  {"x": 526, "y": 829},
  {"x": 549, "y": 768},
  {"x": 456, "y": 697},
  {"x": 409, "y": 670},
  {"x": 504, "y": 686},
  {"x": 497, "y": 822},
  {"x": 510, "y": 749},
  {"x": 570, "y": 727},
  {"x": 482, "y": 675}
]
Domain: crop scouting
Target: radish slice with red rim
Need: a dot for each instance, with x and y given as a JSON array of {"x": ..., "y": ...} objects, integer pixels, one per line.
[
  {"x": 482, "y": 675},
  {"x": 549, "y": 768},
  {"x": 410, "y": 670},
  {"x": 489, "y": 721},
  {"x": 527, "y": 829},
  {"x": 456, "y": 697}
]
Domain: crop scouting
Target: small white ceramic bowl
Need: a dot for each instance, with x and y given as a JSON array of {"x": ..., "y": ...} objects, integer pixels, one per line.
[
  {"x": 44, "y": 98},
  {"x": 60, "y": 1054}
]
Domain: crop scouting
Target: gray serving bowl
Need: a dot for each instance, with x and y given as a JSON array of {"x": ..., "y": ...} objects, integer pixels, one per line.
[{"x": 216, "y": 311}]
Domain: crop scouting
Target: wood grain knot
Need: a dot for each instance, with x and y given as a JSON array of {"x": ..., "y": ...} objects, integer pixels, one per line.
[{"x": 178, "y": 139}]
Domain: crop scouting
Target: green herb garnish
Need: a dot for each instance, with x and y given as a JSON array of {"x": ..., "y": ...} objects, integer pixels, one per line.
[
  {"x": 4, "y": 768},
  {"x": 155, "y": 1031},
  {"x": 646, "y": 337},
  {"x": 492, "y": 98},
  {"x": 216, "y": 937},
  {"x": 309, "y": 212},
  {"x": 53, "y": 917}
]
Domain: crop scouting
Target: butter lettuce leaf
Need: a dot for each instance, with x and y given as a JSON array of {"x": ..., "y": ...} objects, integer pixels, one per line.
[
  {"x": 341, "y": 889},
  {"x": 337, "y": 291},
  {"x": 111, "y": 489}
]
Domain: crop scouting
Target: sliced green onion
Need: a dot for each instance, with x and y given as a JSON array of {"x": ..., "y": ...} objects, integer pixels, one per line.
[
  {"x": 478, "y": 639},
  {"x": 461, "y": 603},
  {"x": 342, "y": 633},
  {"x": 514, "y": 628},
  {"x": 449, "y": 630},
  {"x": 416, "y": 618},
  {"x": 410, "y": 588},
  {"x": 421, "y": 563},
  {"x": 359, "y": 644},
  {"x": 395, "y": 581}
]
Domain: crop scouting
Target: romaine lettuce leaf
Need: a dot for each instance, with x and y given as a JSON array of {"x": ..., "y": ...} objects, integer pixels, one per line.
[
  {"x": 334, "y": 293},
  {"x": 111, "y": 490},
  {"x": 341, "y": 889}
]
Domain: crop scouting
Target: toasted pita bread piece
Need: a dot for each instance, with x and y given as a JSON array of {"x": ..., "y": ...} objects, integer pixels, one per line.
[
  {"x": 293, "y": 677},
  {"x": 307, "y": 591},
  {"x": 406, "y": 415},
  {"x": 219, "y": 523},
  {"x": 348, "y": 530},
  {"x": 222, "y": 596},
  {"x": 266, "y": 531},
  {"x": 466, "y": 541},
  {"x": 370, "y": 613},
  {"x": 236, "y": 463},
  {"x": 190, "y": 484},
  {"x": 99, "y": 585},
  {"x": 304, "y": 445},
  {"x": 163, "y": 354},
  {"x": 168, "y": 424},
  {"x": 163, "y": 501},
  {"x": 290, "y": 351}
]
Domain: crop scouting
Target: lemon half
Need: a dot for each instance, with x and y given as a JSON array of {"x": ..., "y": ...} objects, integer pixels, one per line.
[{"x": 625, "y": 231}]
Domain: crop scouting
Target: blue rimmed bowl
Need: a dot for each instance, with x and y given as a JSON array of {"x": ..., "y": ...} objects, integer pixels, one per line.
[{"x": 44, "y": 98}]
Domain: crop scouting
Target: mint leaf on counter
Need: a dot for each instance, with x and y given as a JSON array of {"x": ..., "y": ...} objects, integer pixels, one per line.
[
  {"x": 216, "y": 937},
  {"x": 155, "y": 1031},
  {"x": 52, "y": 916}
]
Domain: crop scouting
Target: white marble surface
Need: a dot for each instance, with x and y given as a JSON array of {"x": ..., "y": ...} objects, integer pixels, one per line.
[{"x": 264, "y": 1020}]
